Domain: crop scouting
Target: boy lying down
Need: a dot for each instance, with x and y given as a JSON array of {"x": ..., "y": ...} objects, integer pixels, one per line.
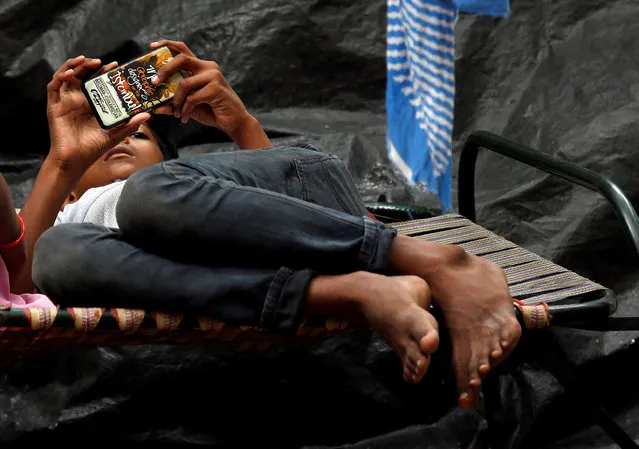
[{"x": 263, "y": 237}]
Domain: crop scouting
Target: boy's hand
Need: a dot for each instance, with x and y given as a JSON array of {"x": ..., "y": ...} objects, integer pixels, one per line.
[
  {"x": 204, "y": 95},
  {"x": 77, "y": 140}
]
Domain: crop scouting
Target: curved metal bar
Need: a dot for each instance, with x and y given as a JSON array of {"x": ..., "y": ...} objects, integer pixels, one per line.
[{"x": 566, "y": 170}]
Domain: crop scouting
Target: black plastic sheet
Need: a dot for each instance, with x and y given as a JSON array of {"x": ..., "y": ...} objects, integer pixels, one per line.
[{"x": 557, "y": 76}]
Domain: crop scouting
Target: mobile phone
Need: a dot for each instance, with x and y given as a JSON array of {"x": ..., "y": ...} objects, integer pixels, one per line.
[{"x": 119, "y": 94}]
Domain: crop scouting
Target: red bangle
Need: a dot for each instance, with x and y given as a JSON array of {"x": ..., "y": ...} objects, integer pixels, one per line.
[{"x": 19, "y": 240}]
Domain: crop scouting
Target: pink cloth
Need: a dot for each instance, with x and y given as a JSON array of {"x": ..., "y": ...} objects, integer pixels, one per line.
[{"x": 10, "y": 300}]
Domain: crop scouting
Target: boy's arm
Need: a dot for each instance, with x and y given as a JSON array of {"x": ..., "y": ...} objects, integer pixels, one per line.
[
  {"x": 206, "y": 96},
  {"x": 250, "y": 135},
  {"x": 52, "y": 186},
  {"x": 77, "y": 141}
]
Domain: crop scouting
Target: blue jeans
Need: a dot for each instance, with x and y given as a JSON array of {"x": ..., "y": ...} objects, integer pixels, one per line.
[{"x": 237, "y": 236}]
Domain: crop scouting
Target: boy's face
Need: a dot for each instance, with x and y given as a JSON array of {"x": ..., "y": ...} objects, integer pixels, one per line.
[{"x": 137, "y": 151}]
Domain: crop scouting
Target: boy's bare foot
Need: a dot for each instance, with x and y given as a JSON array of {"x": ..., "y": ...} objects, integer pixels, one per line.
[
  {"x": 394, "y": 306},
  {"x": 475, "y": 300}
]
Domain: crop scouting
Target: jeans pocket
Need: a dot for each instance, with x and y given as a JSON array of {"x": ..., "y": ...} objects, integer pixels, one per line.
[{"x": 325, "y": 181}]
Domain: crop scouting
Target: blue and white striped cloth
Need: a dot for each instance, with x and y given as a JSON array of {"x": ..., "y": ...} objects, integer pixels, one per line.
[{"x": 420, "y": 96}]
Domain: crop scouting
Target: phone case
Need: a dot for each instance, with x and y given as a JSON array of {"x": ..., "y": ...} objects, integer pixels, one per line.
[{"x": 119, "y": 94}]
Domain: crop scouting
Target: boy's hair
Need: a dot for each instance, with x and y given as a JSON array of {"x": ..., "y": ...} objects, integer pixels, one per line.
[{"x": 162, "y": 126}]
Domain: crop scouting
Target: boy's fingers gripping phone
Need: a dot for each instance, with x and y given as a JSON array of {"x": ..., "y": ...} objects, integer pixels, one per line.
[
  {"x": 105, "y": 68},
  {"x": 89, "y": 66},
  {"x": 120, "y": 92},
  {"x": 175, "y": 46},
  {"x": 175, "y": 65},
  {"x": 100, "y": 70}
]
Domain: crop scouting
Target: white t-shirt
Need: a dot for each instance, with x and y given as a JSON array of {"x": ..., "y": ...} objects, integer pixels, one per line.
[{"x": 96, "y": 206}]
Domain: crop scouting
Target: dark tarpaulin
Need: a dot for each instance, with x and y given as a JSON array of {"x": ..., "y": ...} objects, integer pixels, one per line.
[{"x": 558, "y": 76}]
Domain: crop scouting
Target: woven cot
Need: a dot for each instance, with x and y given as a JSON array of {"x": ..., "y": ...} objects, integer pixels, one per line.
[{"x": 532, "y": 280}]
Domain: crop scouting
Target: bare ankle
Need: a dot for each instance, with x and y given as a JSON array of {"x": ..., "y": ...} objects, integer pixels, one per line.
[
  {"x": 410, "y": 255},
  {"x": 341, "y": 294}
]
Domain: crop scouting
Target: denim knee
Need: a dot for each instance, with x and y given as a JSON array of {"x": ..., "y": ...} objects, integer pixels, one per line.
[
  {"x": 141, "y": 199},
  {"x": 57, "y": 258}
]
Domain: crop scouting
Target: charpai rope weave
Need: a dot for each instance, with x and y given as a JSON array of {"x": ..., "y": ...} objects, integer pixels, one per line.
[
  {"x": 534, "y": 282},
  {"x": 531, "y": 278}
]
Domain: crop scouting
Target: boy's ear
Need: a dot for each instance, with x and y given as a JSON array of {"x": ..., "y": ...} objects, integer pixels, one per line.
[{"x": 72, "y": 198}]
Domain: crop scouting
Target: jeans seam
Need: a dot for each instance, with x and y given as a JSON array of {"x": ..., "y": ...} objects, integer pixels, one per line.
[
  {"x": 315, "y": 158},
  {"x": 300, "y": 176},
  {"x": 369, "y": 243},
  {"x": 180, "y": 178},
  {"x": 332, "y": 187},
  {"x": 272, "y": 298}
]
